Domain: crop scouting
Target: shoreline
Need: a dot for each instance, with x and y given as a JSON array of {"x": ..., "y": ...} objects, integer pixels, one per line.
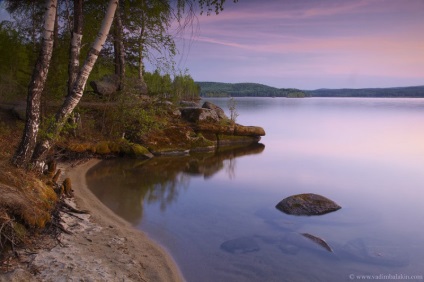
[
  {"x": 158, "y": 265},
  {"x": 102, "y": 246}
]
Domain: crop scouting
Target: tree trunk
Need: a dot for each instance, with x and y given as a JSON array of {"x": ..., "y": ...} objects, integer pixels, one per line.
[
  {"x": 73, "y": 99},
  {"x": 35, "y": 88},
  {"x": 119, "y": 49},
  {"x": 75, "y": 46},
  {"x": 141, "y": 52}
]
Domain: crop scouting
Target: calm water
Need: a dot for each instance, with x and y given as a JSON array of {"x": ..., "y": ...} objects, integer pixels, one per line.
[{"x": 215, "y": 213}]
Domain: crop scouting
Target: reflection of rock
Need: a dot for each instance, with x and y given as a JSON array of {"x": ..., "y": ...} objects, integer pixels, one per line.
[
  {"x": 375, "y": 251},
  {"x": 307, "y": 204},
  {"x": 240, "y": 245},
  {"x": 208, "y": 164}
]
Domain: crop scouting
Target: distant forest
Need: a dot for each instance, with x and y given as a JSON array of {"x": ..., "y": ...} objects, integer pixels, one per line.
[{"x": 219, "y": 89}]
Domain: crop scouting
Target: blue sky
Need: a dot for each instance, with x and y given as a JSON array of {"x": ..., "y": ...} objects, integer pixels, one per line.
[{"x": 310, "y": 44}]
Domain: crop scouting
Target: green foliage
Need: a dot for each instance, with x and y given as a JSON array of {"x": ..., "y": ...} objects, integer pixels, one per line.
[
  {"x": 130, "y": 117},
  {"x": 49, "y": 122},
  {"x": 146, "y": 24},
  {"x": 182, "y": 87},
  {"x": 15, "y": 62},
  {"x": 157, "y": 84},
  {"x": 185, "y": 88}
]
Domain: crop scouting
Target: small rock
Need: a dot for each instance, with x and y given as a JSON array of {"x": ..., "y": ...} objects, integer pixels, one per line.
[{"x": 307, "y": 204}]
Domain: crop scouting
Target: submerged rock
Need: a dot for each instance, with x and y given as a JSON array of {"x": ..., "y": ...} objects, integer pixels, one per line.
[
  {"x": 319, "y": 241},
  {"x": 240, "y": 245},
  {"x": 292, "y": 243},
  {"x": 307, "y": 204}
]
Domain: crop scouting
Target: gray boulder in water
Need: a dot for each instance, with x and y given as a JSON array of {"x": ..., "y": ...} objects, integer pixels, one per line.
[{"x": 307, "y": 204}]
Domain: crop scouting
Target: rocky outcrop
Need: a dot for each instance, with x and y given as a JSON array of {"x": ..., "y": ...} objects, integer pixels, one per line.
[
  {"x": 219, "y": 112},
  {"x": 211, "y": 121},
  {"x": 209, "y": 112},
  {"x": 307, "y": 204},
  {"x": 189, "y": 104},
  {"x": 199, "y": 115},
  {"x": 242, "y": 130},
  {"x": 106, "y": 86}
]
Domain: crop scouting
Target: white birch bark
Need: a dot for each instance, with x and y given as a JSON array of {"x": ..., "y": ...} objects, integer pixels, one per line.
[
  {"x": 75, "y": 46},
  {"x": 119, "y": 50},
  {"x": 141, "y": 43},
  {"x": 36, "y": 87},
  {"x": 73, "y": 99}
]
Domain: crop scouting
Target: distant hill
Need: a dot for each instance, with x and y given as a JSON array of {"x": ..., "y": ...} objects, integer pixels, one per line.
[
  {"x": 413, "y": 92},
  {"x": 220, "y": 89}
]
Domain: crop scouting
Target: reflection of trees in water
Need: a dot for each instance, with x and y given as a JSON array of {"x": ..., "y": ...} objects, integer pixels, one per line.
[
  {"x": 124, "y": 185},
  {"x": 166, "y": 193}
]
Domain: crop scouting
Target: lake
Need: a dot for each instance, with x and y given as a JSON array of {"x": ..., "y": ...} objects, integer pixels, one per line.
[{"x": 215, "y": 213}]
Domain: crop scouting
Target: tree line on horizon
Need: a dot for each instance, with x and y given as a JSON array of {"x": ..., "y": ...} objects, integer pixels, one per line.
[{"x": 220, "y": 89}]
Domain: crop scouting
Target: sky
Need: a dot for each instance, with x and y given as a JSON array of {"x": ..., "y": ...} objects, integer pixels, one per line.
[{"x": 309, "y": 44}]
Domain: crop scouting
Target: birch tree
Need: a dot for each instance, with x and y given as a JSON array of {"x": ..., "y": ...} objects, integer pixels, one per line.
[
  {"x": 75, "y": 46},
  {"x": 75, "y": 96},
  {"x": 26, "y": 147}
]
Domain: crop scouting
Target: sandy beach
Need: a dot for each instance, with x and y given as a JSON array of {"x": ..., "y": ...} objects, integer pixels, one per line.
[{"x": 102, "y": 246}]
